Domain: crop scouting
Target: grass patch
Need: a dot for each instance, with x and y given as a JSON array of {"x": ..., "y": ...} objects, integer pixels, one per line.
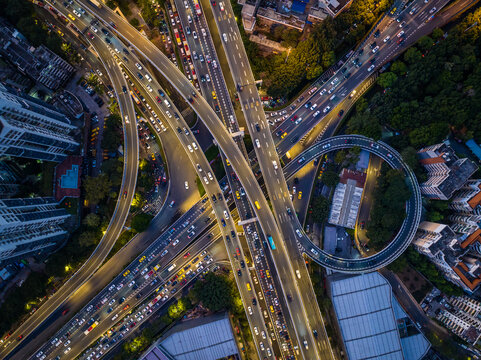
[
  {"x": 71, "y": 205},
  {"x": 200, "y": 186},
  {"x": 212, "y": 152}
]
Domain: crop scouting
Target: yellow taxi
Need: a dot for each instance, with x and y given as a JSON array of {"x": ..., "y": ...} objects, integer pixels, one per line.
[
  {"x": 126, "y": 273},
  {"x": 237, "y": 195},
  {"x": 248, "y": 287},
  {"x": 267, "y": 273},
  {"x": 299, "y": 195},
  {"x": 71, "y": 17},
  {"x": 141, "y": 259},
  {"x": 213, "y": 95},
  {"x": 284, "y": 135}
]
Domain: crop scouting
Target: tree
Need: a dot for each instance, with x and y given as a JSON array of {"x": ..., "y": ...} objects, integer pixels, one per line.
[
  {"x": 87, "y": 239},
  {"x": 330, "y": 178},
  {"x": 399, "y": 68},
  {"x": 437, "y": 34},
  {"x": 425, "y": 43},
  {"x": 96, "y": 188},
  {"x": 412, "y": 55},
  {"x": 215, "y": 292},
  {"x": 320, "y": 209},
  {"x": 92, "y": 220},
  {"x": 340, "y": 157},
  {"x": 134, "y": 22},
  {"x": 387, "y": 79},
  {"x": 140, "y": 222},
  {"x": 92, "y": 79},
  {"x": 113, "y": 106}
]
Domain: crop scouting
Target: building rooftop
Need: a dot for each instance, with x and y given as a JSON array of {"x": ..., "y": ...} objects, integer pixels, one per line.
[
  {"x": 369, "y": 318},
  {"x": 207, "y": 338}
]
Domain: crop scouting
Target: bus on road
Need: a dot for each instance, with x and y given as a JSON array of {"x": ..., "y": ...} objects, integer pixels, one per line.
[{"x": 271, "y": 242}]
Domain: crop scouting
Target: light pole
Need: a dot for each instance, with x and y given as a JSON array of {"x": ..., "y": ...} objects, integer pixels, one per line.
[{"x": 288, "y": 52}]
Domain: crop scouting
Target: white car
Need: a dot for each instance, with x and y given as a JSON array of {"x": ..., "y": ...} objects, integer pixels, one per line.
[
  {"x": 313, "y": 106},
  {"x": 274, "y": 163},
  {"x": 370, "y": 68},
  {"x": 221, "y": 5},
  {"x": 207, "y": 77},
  {"x": 334, "y": 81},
  {"x": 194, "y": 145},
  {"x": 263, "y": 335},
  {"x": 258, "y": 143},
  {"x": 298, "y": 120},
  {"x": 326, "y": 109},
  {"x": 298, "y": 232},
  {"x": 149, "y": 88},
  {"x": 67, "y": 350},
  {"x": 194, "y": 34},
  {"x": 94, "y": 28},
  {"x": 209, "y": 174},
  {"x": 206, "y": 181},
  {"x": 76, "y": 13},
  {"x": 138, "y": 66},
  {"x": 387, "y": 38},
  {"x": 316, "y": 113},
  {"x": 256, "y": 331},
  {"x": 186, "y": 185},
  {"x": 175, "y": 242},
  {"x": 226, "y": 214},
  {"x": 190, "y": 148},
  {"x": 377, "y": 48},
  {"x": 249, "y": 309},
  {"x": 401, "y": 33}
]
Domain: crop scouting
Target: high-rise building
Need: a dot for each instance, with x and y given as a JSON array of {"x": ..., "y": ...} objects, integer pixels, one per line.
[
  {"x": 446, "y": 172},
  {"x": 468, "y": 197},
  {"x": 8, "y": 180},
  {"x": 30, "y": 227},
  {"x": 458, "y": 256},
  {"x": 31, "y": 128}
]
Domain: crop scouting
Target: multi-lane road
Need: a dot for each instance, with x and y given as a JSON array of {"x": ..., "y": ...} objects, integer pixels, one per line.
[{"x": 284, "y": 231}]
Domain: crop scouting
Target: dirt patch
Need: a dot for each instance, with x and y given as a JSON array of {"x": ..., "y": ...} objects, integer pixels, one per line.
[{"x": 417, "y": 285}]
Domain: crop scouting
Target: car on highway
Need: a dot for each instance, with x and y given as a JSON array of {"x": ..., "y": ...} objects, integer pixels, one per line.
[
  {"x": 221, "y": 5},
  {"x": 326, "y": 109},
  {"x": 258, "y": 143},
  {"x": 432, "y": 10},
  {"x": 239, "y": 272},
  {"x": 375, "y": 49},
  {"x": 299, "y": 195},
  {"x": 387, "y": 38},
  {"x": 138, "y": 66},
  {"x": 370, "y": 68},
  {"x": 125, "y": 194},
  {"x": 186, "y": 185}
]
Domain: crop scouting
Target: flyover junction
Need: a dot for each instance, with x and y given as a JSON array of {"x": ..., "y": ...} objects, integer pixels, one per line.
[{"x": 413, "y": 206}]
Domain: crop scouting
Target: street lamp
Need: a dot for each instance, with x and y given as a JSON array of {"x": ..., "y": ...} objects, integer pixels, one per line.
[{"x": 288, "y": 52}]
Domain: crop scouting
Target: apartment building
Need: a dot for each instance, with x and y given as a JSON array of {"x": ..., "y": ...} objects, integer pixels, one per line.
[
  {"x": 457, "y": 256},
  {"x": 461, "y": 315},
  {"x": 30, "y": 227},
  {"x": 31, "y": 128},
  {"x": 446, "y": 172},
  {"x": 40, "y": 64}
]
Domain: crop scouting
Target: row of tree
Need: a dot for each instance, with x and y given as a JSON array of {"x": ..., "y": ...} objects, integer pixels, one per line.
[{"x": 434, "y": 88}]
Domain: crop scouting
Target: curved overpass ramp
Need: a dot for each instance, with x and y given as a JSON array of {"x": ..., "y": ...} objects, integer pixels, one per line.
[{"x": 413, "y": 205}]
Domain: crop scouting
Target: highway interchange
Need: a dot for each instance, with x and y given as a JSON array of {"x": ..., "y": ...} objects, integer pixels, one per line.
[{"x": 284, "y": 265}]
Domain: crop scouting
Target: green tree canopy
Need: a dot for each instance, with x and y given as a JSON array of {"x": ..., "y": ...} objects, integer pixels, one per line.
[
  {"x": 214, "y": 292},
  {"x": 330, "y": 178},
  {"x": 92, "y": 220},
  {"x": 96, "y": 188},
  {"x": 140, "y": 222}
]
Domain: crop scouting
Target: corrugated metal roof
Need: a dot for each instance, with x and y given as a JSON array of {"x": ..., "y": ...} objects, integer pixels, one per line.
[
  {"x": 364, "y": 311},
  {"x": 208, "y": 341}
]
